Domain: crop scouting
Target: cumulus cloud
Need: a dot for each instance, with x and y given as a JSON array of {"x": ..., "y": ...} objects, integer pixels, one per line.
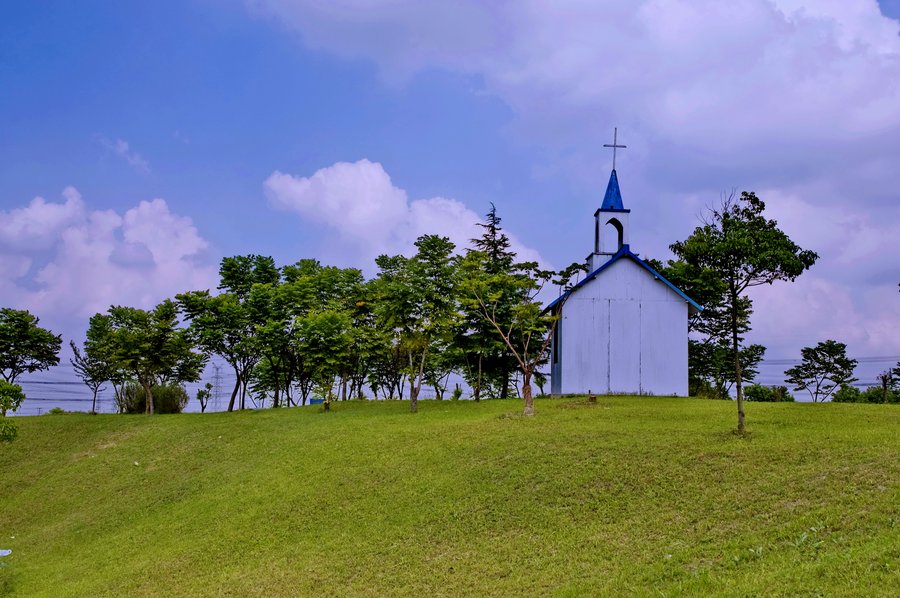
[
  {"x": 121, "y": 148},
  {"x": 65, "y": 262},
  {"x": 362, "y": 206}
]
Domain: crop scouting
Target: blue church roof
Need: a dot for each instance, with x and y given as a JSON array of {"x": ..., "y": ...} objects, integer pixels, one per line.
[
  {"x": 624, "y": 252},
  {"x": 613, "y": 198}
]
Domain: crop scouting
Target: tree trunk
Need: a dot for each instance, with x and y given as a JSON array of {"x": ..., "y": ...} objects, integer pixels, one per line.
[
  {"x": 737, "y": 363},
  {"x": 526, "y": 393},
  {"x": 93, "y": 403},
  {"x": 413, "y": 396},
  {"x": 504, "y": 392},
  {"x": 478, "y": 381},
  {"x": 237, "y": 386},
  {"x": 148, "y": 398}
]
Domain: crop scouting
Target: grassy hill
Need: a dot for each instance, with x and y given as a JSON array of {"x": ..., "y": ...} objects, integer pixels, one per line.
[{"x": 632, "y": 496}]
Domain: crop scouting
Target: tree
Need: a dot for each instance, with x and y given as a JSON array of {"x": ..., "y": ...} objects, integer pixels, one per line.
[
  {"x": 824, "y": 368},
  {"x": 485, "y": 358},
  {"x": 203, "y": 396},
  {"x": 25, "y": 347},
  {"x": 417, "y": 302},
  {"x": 93, "y": 370},
  {"x": 11, "y": 397},
  {"x": 711, "y": 366},
  {"x": 147, "y": 346},
  {"x": 326, "y": 342},
  {"x": 224, "y": 324},
  {"x": 743, "y": 249},
  {"x": 507, "y": 301}
]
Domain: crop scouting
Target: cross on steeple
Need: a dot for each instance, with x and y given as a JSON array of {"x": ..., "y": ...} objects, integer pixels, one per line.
[{"x": 614, "y": 145}]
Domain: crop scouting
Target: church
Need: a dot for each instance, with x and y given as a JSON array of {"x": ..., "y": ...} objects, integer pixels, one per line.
[{"x": 623, "y": 329}]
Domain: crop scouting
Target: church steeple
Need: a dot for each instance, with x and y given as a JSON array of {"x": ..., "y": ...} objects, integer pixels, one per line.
[
  {"x": 613, "y": 198},
  {"x": 611, "y": 219}
]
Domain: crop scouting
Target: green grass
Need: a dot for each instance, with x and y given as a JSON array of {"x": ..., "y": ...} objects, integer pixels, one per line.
[{"x": 633, "y": 496}]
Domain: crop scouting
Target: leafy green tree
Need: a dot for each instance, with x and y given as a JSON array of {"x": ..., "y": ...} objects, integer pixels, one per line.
[
  {"x": 221, "y": 325},
  {"x": 711, "y": 364},
  {"x": 743, "y": 249},
  {"x": 25, "y": 347},
  {"x": 525, "y": 328},
  {"x": 824, "y": 368},
  {"x": 203, "y": 396},
  {"x": 224, "y": 324},
  {"x": 326, "y": 344},
  {"x": 147, "y": 346},
  {"x": 93, "y": 370},
  {"x": 11, "y": 397},
  {"x": 417, "y": 303},
  {"x": 99, "y": 348}
]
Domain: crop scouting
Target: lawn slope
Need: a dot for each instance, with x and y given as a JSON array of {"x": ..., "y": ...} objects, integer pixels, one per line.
[{"x": 630, "y": 496}]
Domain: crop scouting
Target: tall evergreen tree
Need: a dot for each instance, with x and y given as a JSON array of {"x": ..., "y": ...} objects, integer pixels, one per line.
[{"x": 483, "y": 357}]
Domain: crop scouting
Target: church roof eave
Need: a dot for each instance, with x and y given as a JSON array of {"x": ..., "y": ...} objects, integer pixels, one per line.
[{"x": 625, "y": 252}]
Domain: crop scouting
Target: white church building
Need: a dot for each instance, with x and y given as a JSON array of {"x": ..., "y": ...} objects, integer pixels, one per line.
[{"x": 623, "y": 329}]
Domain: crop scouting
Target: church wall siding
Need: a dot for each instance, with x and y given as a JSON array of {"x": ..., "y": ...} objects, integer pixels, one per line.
[
  {"x": 624, "y": 346},
  {"x": 623, "y": 332},
  {"x": 664, "y": 348},
  {"x": 584, "y": 366}
]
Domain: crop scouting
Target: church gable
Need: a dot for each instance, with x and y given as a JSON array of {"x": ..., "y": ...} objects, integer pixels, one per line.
[{"x": 626, "y": 276}]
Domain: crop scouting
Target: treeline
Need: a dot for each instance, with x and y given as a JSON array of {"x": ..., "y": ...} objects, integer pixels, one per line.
[{"x": 306, "y": 329}]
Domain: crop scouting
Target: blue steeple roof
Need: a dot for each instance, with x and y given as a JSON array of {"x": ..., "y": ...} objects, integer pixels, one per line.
[{"x": 613, "y": 198}]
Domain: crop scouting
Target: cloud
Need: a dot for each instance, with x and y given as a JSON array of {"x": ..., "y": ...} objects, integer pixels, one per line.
[
  {"x": 796, "y": 99},
  {"x": 362, "y": 206},
  {"x": 121, "y": 148},
  {"x": 771, "y": 87},
  {"x": 65, "y": 262},
  {"x": 38, "y": 225}
]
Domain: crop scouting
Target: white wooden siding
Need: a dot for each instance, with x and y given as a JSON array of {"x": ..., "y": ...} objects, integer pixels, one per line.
[{"x": 623, "y": 332}]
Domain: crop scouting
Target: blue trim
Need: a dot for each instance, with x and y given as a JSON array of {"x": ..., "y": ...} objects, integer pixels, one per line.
[{"x": 624, "y": 251}]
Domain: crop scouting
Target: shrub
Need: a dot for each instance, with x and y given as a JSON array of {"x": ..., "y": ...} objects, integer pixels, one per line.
[
  {"x": 846, "y": 394},
  {"x": 878, "y": 394},
  {"x": 780, "y": 394},
  {"x": 760, "y": 393},
  {"x": 702, "y": 389},
  {"x": 457, "y": 393},
  {"x": 768, "y": 394},
  {"x": 56, "y": 411},
  {"x": 167, "y": 398}
]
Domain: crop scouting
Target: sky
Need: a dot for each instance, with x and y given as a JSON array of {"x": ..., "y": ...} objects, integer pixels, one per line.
[{"x": 142, "y": 142}]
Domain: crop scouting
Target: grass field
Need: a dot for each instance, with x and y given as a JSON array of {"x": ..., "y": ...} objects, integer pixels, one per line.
[{"x": 633, "y": 496}]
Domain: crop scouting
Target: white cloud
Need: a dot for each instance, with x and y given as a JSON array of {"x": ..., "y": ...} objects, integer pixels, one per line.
[
  {"x": 797, "y": 99},
  {"x": 122, "y": 149},
  {"x": 359, "y": 202},
  {"x": 696, "y": 85},
  {"x": 65, "y": 262},
  {"x": 38, "y": 225}
]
